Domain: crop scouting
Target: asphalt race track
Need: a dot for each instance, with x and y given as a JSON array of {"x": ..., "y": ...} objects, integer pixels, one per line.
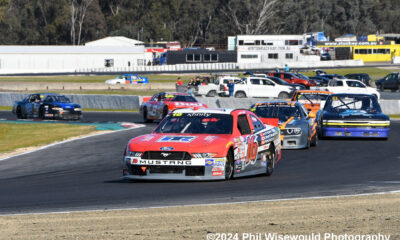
[{"x": 85, "y": 175}]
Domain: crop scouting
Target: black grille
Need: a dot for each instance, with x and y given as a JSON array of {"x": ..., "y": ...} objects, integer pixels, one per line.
[
  {"x": 166, "y": 155},
  {"x": 194, "y": 171},
  {"x": 166, "y": 169},
  {"x": 137, "y": 170}
]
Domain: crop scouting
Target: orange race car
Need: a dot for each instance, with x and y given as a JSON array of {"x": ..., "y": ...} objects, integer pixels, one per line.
[
  {"x": 158, "y": 106},
  {"x": 313, "y": 100}
]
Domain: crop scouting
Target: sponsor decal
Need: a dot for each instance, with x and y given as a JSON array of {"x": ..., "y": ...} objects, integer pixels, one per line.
[
  {"x": 209, "y": 162},
  {"x": 199, "y": 114},
  {"x": 210, "y": 138},
  {"x": 146, "y": 138},
  {"x": 217, "y": 173},
  {"x": 163, "y": 162},
  {"x": 264, "y": 159},
  {"x": 166, "y": 148},
  {"x": 219, "y": 162},
  {"x": 177, "y": 139},
  {"x": 177, "y": 114},
  {"x": 134, "y": 161},
  {"x": 188, "y": 104},
  {"x": 217, "y": 169}
]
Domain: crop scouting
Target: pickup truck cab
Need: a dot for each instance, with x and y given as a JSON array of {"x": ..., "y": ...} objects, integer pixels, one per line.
[
  {"x": 261, "y": 87},
  {"x": 215, "y": 88},
  {"x": 350, "y": 86},
  {"x": 294, "y": 78}
]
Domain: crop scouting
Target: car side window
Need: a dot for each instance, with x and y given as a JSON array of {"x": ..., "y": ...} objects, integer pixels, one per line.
[
  {"x": 268, "y": 83},
  {"x": 287, "y": 76},
  {"x": 255, "y": 81},
  {"x": 257, "y": 124},
  {"x": 243, "y": 125}
]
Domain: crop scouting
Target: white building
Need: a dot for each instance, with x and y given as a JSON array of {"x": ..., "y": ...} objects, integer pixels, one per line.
[
  {"x": 111, "y": 52},
  {"x": 269, "y": 48}
]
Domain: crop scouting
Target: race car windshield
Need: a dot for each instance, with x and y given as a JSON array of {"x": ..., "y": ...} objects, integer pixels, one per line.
[
  {"x": 282, "y": 112},
  {"x": 195, "y": 123},
  {"x": 352, "y": 104},
  {"x": 61, "y": 99},
  {"x": 181, "y": 98},
  {"x": 279, "y": 81},
  {"x": 311, "y": 98}
]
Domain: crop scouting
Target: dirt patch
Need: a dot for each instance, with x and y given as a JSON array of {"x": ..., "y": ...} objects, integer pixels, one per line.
[
  {"x": 28, "y": 149},
  {"x": 375, "y": 214}
]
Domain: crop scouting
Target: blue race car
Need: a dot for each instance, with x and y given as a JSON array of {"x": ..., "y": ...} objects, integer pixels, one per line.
[
  {"x": 353, "y": 115},
  {"x": 47, "y": 105},
  {"x": 128, "y": 79}
]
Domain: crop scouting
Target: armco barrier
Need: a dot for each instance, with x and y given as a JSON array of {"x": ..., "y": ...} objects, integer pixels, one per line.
[{"x": 133, "y": 102}]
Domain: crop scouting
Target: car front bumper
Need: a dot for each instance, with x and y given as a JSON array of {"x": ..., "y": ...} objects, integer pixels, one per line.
[
  {"x": 186, "y": 170},
  {"x": 355, "y": 132},
  {"x": 294, "y": 141}
]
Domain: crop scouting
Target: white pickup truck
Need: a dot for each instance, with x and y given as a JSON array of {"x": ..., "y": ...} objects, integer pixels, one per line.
[
  {"x": 261, "y": 87},
  {"x": 350, "y": 86},
  {"x": 215, "y": 88}
]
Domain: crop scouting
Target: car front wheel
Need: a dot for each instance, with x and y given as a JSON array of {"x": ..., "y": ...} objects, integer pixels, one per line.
[
  {"x": 229, "y": 165},
  {"x": 270, "y": 161},
  {"x": 145, "y": 117}
]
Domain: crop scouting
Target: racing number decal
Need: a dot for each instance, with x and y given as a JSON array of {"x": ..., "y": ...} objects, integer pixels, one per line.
[{"x": 252, "y": 149}]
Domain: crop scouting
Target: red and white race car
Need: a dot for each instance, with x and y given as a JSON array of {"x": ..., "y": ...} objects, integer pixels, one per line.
[
  {"x": 158, "y": 106},
  {"x": 204, "y": 144}
]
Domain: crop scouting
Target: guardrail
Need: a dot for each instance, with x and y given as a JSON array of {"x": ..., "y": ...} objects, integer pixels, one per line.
[{"x": 133, "y": 102}]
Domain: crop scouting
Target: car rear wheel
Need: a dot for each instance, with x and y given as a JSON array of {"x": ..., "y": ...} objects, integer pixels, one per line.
[
  {"x": 229, "y": 165},
  {"x": 271, "y": 159},
  {"x": 283, "y": 95},
  {"x": 145, "y": 117},
  {"x": 19, "y": 113},
  {"x": 314, "y": 140},
  {"x": 212, "y": 93},
  {"x": 165, "y": 112},
  {"x": 240, "y": 95}
]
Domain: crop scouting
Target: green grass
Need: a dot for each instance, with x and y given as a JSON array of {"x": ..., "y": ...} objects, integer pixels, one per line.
[
  {"x": 374, "y": 73},
  {"x": 14, "y": 136},
  {"x": 153, "y": 78}
]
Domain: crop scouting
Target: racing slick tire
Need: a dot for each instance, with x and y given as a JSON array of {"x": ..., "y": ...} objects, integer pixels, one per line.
[
  {"x": 283, "y": 95},
  {"x": 41, "y": 113},
  {"x": 314, "y": 140},
  {"x": 165, "y": 112},
  {"x": 20, "y": 115},
  {"x": 145, "y": 119},
  {"x": 271, "y": 158},
  {"x": 211, "y": 93},
  {"x": 240, "y": 95},
  {"x": 229, "y": 165}
]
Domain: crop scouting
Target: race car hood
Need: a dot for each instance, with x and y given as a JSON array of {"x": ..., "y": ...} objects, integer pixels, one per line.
[
  {"x": 193, "y": 143},
  {"x": 355, "y": 115},
  {"x": 291, "y": 122}
]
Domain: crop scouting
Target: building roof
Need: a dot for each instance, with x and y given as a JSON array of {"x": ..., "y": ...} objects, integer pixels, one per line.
[
  {"x": 115, "y": 41},
  {"x": 70, "y": 49}
]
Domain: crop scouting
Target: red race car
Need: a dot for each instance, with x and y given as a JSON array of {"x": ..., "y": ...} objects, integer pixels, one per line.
[
  {"x": 158, "y": 106},
  {"x": 204, "y": 144}
]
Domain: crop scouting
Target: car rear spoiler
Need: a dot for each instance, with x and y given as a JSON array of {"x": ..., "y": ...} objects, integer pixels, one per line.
[{"x": 271, "y": 121}]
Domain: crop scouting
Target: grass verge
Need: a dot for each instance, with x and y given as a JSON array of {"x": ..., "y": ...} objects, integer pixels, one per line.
[
  {"x": 14, "y": 136},
  {"x": 343, "y": 215}
]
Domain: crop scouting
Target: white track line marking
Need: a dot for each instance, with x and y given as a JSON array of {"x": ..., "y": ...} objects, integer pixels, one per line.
[
  {"x": 70, "y": 140},
  {"x": 207, "y": 204}
]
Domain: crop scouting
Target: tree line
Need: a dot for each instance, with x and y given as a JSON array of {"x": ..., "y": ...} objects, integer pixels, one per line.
[{"x": 192, "y": 22}]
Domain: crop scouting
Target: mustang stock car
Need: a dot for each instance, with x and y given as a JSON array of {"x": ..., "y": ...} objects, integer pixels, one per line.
[
  {"x": 47, "y": 105},
  {"x": 204, "y": 144},
  {"x": 353, "y": 115},
  {"x": 158, "y": 106},
  {"x": 298, "y": 128}
]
